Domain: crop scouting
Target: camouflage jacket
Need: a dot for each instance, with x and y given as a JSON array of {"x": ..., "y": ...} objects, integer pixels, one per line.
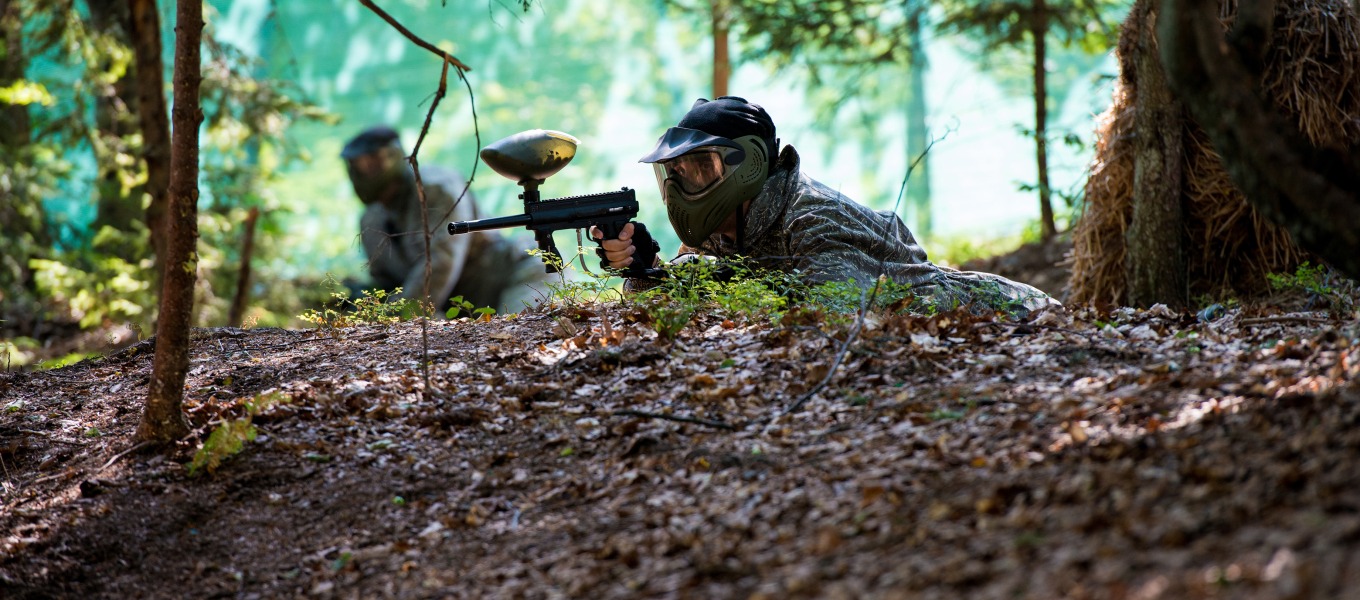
[
  {"x": 485, "y": 268},
  {"x": 798, "y": 224}
]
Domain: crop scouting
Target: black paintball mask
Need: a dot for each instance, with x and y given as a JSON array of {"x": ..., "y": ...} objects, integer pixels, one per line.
[
  {"x": 376, "y": 164},
  {"x": 714, "y": 160}
]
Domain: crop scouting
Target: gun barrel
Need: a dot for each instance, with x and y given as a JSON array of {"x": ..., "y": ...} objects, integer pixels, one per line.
[
  {"x": 458, "y": 227},
  {"x": 576, "y": 212}
]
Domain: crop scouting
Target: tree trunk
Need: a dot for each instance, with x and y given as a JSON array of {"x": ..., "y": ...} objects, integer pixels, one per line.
[
  {"x": 722, "y": 64},
  {"x": 163, "y": 419},
  {"x": 113, "y": 125},
  {"x": 918, "y": 137},
  {"x": 1039, "y": 31},
  {"x": 23, "y": 224},
  {"x": 242, "y": 298},
  {"x": 150, "y": 73},
  {"x": 1314, "y": 193},
  {"x": 1156, "y": 246},
  {"x": 16, "y": 132}
]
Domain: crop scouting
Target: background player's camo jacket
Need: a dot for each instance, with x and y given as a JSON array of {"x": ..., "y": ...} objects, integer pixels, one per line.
[
  {"x": 797, "y": 223},
  {"x": 485, "y": 268}
]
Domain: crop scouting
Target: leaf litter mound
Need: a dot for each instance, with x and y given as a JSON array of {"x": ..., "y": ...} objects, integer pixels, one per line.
[{"x": 1134, "y": 454}]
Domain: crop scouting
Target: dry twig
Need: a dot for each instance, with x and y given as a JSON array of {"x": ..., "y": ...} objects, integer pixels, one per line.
[
  {"x": 448, "y": 59},
  {"x": 675, "y": 418}
]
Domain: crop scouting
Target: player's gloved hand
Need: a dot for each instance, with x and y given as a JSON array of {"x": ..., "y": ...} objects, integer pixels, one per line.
[{"x": 631, "y": 248}]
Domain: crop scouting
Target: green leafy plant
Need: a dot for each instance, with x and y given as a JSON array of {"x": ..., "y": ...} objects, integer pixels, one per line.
[
  {"x": 668, "y": 317},
  {"x": 459, "y": 306},
  {"x": 1320, "y": 284},
  {"x": 575, "y": 291},
  {"x": 372, "y": 306},
  {"x": 742, "y": 290},
  {"x": 733, "y": 289},
  {"x": 1312, "y": 279},
  {"x": 230, "y": 436},
  {"x": 96, "y": 285}
]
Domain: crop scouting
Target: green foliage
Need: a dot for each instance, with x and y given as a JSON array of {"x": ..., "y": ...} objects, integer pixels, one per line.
[
  {"x": 741, "y": 291},
  {"x": 230, "y": 436},
  {"x": 23, "y": 93},
  {"x": 668, "y": 317},
  {"x": 67, "y": 360},
  {"x": 459, "y": 305},
  {"x": 373, "y": 306},
  {"x": 736, "y": 290},
  {"x": 1320, "y": 284},
  {"x": 1080, "y": 23},
  {"x": 959, "y": 249},
  {"x": 588, "y": 287},
  {"x": 1311, "y": 279},
  {"x": 52, "y": 266},
  {"x": 96, "y": 285}
]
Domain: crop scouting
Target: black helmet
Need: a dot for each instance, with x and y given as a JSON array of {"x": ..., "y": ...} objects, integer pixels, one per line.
[{"x": 717, "y": 157}]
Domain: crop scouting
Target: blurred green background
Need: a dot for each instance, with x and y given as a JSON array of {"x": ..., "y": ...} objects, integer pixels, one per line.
[{"x": 286, "y": 83}]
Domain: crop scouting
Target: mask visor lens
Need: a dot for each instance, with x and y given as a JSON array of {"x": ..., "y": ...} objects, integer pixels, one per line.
[{"x": 696, "y": 171}]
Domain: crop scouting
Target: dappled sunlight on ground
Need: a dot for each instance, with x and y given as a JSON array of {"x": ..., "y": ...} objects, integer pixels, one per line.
[{"x": 574, "y": 451}]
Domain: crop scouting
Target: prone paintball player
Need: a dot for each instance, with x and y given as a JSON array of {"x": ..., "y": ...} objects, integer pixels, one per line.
[
  {"x": 485, "y": 268},
  {"x": 727, "y": 194}
]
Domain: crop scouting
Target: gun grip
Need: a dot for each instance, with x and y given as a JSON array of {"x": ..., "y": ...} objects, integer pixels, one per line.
[
  {"x": 612, "y": 229},
  {"x": 645, "y": 247},
  {"x": 646, "y": 250}
]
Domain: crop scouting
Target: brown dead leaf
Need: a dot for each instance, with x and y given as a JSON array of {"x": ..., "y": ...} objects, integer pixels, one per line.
[
  {"x": 871, "y": 494},
  {"x": 701, "y": 380},
  {"x": 828, "y": 540},
  {"x": 476, "y": 516},
  {"x": 1077, "y": 431},
  {"x": 938, "y": 511}
]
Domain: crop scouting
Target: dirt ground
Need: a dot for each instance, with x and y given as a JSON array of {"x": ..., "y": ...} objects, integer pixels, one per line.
[{"x": 574, "y": 453}]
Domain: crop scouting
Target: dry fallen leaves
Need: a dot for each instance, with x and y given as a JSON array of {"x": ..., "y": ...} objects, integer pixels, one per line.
[{"x": 1078, "y": 454}]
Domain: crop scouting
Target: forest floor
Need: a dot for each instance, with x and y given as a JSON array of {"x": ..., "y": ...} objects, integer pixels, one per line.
[{"x": 571, "y": 452}]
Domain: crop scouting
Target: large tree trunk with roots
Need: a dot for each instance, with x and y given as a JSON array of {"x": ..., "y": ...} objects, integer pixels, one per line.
[
  {"x": 1313, "y": 192},
  {"x": 163, "y": 419},
  {"x": 1156, "y": 238},
  {"x": 151, "y": 109}
]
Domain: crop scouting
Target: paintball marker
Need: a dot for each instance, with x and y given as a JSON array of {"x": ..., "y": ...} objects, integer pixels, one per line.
[{"x": 530, "y": 158}]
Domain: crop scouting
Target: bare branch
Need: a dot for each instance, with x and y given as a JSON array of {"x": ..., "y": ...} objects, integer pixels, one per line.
[
  {"x": 413, "y": 37},
  {"x": 448, "y": 59},
  {"x": 675, "y": 418}
]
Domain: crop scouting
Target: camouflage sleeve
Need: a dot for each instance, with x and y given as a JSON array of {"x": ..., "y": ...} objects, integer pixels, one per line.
[
  {"x": 841, "y": 246},
  {"x": 832, "y": 246}
]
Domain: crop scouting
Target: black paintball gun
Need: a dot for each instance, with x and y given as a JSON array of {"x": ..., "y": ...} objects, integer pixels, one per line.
[{"x": 530, "y": 158}]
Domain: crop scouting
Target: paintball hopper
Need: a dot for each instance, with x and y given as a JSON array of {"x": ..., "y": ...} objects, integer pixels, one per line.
[{"x": 529, "y": 157}]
